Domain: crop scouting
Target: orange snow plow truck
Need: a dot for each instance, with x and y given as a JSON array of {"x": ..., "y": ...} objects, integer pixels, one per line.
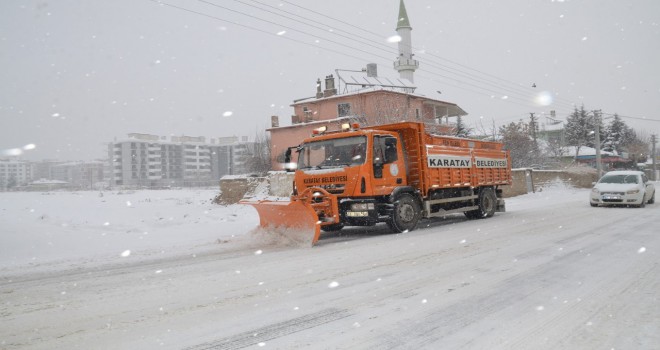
[{"x": 395, "y": 173}]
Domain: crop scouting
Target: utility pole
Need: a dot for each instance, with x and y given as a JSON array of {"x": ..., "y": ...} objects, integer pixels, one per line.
[
  {"x": 599, "y": 166},
  {"x": 654, "y": 139}
]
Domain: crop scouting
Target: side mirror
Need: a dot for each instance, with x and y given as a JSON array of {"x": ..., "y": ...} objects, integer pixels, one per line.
[{"x": 288, "y": 165}]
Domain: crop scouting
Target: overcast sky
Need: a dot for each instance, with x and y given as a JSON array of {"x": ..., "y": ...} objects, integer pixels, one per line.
[{"x": 78, "y": 74}]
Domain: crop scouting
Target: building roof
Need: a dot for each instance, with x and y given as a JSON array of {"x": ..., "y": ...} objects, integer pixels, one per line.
[
  {"x": 315, "y": 122},
  {"x": 585, "y": 152},
  {"x": 366, "y": 81},
  {"x": 453, "y": 108}
]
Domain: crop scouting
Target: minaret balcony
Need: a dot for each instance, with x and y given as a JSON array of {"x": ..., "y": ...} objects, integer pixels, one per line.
[{"x": 406, "y": 63}]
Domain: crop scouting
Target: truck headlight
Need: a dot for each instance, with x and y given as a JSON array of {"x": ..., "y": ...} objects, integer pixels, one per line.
[{"x": 362, "y": 206}]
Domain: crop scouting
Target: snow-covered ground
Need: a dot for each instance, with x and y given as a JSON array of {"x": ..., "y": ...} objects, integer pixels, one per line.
[
  {"x": 40, "y": 229},
  {"x": 169, "y": 269}
]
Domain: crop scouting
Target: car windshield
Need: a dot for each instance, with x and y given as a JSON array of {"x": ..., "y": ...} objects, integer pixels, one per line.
[
  {"x": 620, "y": 179},
  {"x": 334, "y": 153}
]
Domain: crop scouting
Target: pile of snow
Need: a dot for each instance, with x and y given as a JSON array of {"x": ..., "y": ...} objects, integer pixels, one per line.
[{"x": 42, "y": 228}]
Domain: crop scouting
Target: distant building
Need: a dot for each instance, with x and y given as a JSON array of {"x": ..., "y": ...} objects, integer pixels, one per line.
[
  {"x": 152, "y": 161},
  {"x": 79, "y": 175},
  {"x": 43, "y": 169},
  {"x": 14, "y": 173}
]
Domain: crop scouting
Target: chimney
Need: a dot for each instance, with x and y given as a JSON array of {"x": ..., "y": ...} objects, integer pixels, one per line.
[
  {"x": 274, "y": 121},
  {"x": 372, "y": 70},
  {"x": 329, "y": 86},
  {"x": 319, "y": 93}
]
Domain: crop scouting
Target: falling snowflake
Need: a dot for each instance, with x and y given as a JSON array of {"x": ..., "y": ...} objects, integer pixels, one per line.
[
  {"x": 333, "y": 284},
  {"x": 126, "y": 253},
  {"x": 394, "y": 39},
  {"x": 258, "y": 252},
  {"x": 641, "y": 250},
  {"x": 227, "y": 114}
]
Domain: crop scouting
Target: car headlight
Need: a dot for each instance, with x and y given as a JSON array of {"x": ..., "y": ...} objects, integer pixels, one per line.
[
  {"x": 633, "y": 191},
  {"x": 595, "y": 190}
]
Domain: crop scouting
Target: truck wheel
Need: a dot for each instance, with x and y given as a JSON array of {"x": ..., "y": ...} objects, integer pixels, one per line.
[
  {"x": 405, "y": 214},
  {"x": 332, "y": 228},
  {"x": 487, "y": 205}
]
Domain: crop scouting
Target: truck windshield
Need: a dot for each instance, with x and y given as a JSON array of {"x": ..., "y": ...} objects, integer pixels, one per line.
[{"x": 334, "y": 153}]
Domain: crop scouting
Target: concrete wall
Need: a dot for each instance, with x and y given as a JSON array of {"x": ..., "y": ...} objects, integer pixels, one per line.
[
  {"x": 579, "y": 177},
  {"x": 280, "y": 183},
  {"x": 233, "y": 189}
]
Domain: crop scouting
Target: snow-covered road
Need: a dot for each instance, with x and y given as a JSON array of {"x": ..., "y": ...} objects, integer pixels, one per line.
[{"x": 550, "y": 273}]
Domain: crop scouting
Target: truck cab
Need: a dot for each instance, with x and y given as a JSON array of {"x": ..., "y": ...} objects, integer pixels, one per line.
[{"x": 359, "y": 168}]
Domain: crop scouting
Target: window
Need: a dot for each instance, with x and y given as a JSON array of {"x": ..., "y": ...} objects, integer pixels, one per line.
[
  {"x": 385, "y": 149},
  {"x": 344, "y": 109}
]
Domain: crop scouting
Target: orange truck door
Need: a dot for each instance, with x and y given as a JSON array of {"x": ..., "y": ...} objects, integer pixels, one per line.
[{"x": 387, "y": 162}]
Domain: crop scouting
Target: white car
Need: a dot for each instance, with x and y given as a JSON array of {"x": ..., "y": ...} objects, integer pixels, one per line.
[{"x": 623, "y": 188}]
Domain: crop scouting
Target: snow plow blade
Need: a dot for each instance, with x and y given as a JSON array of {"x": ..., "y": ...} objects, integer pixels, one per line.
[{"x": 294, "y": 220}]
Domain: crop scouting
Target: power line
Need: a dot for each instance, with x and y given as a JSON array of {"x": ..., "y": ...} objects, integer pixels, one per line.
[
  {"x": 636, "y": 118},
  {"x": 387, "y": 49},
  {"x": 518, "y": 87},
  {"x": 517, "y": 93},
  {"x": 255, "y": 29}
]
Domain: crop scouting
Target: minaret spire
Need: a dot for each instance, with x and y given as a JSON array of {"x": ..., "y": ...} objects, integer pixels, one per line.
[{"x": 405, "y": 64}]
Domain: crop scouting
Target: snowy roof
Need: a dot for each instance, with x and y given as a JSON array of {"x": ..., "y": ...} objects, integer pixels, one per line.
[
  {"x": 365, "y": 81},
  {"x": 585, "y": 151},
  {"x": 315, "y": 122},
  {"x": 371, "y": 89}
]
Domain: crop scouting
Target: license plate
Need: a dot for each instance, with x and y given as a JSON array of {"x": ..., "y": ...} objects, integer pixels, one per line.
[{"x": 357, "y": 213}]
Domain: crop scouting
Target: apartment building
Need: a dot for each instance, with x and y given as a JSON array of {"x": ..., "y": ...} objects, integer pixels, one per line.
[
  {"x": 79, "y": 175},
  {"x": 14, "y": 173},
  {"x": 146, "y": 160}
]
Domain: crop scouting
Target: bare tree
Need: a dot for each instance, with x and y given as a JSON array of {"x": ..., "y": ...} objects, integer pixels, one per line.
[
  {"x": 257, "y": 159},
  {"x": 639, "y": 147}
]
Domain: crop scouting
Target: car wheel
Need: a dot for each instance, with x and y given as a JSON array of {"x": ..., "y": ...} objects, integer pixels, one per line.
[
  {"x": 593, "y": 204},
  {"x": 487, "y": 205},
  {"x": 643, "y": 203},
  {"x": 405, "y": 215},
  {"x": 652, "y": 199}
]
